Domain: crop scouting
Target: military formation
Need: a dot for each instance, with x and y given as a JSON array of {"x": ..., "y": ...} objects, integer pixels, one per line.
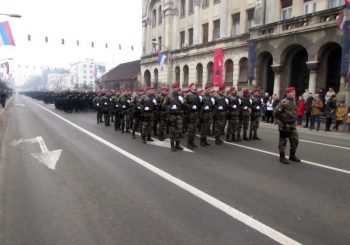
[{"x": 164, "y": 113}]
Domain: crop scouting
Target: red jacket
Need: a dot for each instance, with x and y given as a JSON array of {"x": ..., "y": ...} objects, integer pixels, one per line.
[{"x": 300, "y": 110}]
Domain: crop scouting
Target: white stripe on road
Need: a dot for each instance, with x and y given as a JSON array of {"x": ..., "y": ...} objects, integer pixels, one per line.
[
  {"x": 236, "y": 214},
  {"x": 318, "y": 143},
  {"x": 275, "y": 154}
]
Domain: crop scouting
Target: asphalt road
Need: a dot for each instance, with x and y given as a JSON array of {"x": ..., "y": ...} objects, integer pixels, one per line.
[{"x": 107, "y": 188}]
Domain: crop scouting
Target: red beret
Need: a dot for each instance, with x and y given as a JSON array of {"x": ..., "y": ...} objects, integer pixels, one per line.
[
  {"x": 221, "y": 87},
  {"x": 140, "y": 90},
  {"x": 245, "y": 91},
  {"x": 192, "y": 86},
  {"x": 149, "y": 88},
  {"x": 207, "y": 86},
  {"x": 233, "y": 88},
  {"x": 200, "y": 91},
  {"x": 175, "y": 85},
  {"x": 164, "y": 89},
  {"x": 256, "y": 89},
  {"x": 290, "y": 89}
]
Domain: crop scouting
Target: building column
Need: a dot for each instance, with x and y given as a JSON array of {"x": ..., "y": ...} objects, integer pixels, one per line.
[
  {"x": 144, "y": 37},
  {"x": 196, "y": 21},
  {"x": 277, "y": 83},
  {"x": 223, "y": 18},
  {"x": 149, "y": 36},
  {"x": 313, "y": 67}
]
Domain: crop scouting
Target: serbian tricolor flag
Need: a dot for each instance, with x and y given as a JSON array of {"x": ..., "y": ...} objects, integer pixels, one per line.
[
  {"x": 218, "y": 58},
  {"x": 6, "y": 37},
  {"x": 161, "y": 60}
]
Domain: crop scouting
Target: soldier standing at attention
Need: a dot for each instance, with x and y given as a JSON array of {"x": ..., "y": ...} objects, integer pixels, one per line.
[
  {"x": 192, "y": 104},
  {"x": 137, "y": 110},
  {"x": 125, "y": 103},
  {"x": 148, "y": 105},
  {"x": 221, "y": 105},
  {"x": 233, "y": 115},
  {"x": 117, "y": 110},
  {"x": 257, "y": 103},
  {"x": 244, "y": 115},
  {"x": 174, "y": 105},
  {"x": 285, "y": 113},
  {"x": 105, "y": 108},
  {"x": 98, "y": 107},
  {"x": 206, "y": 115},
  {"x": 162, "y": 112}
]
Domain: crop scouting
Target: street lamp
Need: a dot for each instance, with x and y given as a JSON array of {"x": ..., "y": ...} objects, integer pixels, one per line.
[{"x": 12, "y": 15}]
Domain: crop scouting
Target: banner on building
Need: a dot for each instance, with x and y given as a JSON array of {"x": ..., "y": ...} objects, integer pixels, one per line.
[
  {"x": 218, "y": 59},
  {"x": 345, "y": 56},
  {"x": 251, "y": 59}
]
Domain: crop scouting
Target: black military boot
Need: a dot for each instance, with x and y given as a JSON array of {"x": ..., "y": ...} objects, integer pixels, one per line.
[
  {"x": 238, "y": 137},
  {"x": 218, "y": 141},
  {"x": 189, "y": 143},
  {"x": 149, "y": 138},
  {"x": 205, "y": 141},
  {"x": 233, "y": 138},
  {"x": 256, "y": 136},
  {"x": 178, "y": 146},
  {"x": 172, "y": 144},
  {"x": 161, "y": 136},
  {"x": 251, "y": 137},
  {"x": 245, "y": 136},
  {"x": 283, "y": 158},
  {"x": 133, "y": 134},
  {"x": 293, "y": 157},
  {"x": 193, "y": 144},
  {"x": 228, "y": 137},
  {"x": 202, "y": 142},
  {"x": 143, "y": 139}
]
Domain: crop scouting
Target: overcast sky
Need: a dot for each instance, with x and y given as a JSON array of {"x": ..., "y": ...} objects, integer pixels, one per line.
[{"x": 104, "y": 21}]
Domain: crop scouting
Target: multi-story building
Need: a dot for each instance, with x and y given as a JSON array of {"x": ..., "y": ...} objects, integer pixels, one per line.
[
  {"x": 84, "y": 73},
  {"x": 267, "y": 43},
  {"x": 59, "y": 81}
]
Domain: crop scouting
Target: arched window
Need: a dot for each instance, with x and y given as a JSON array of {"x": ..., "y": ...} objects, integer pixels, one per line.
[
  {"x": 160, "y": 15},
  {"x": 186, "y": 75},
  {"x": 155, "y": 82},
  {"x": 243, "y": 70},
  {"x": 154, "y": 18},
  {"x": 229, "y": 72},
  {"x": 199, "y": 70},
  {"x": 210, "y": 68},
  {"x": 147, "y": 78},
  {"x": 177, "y": 74}
]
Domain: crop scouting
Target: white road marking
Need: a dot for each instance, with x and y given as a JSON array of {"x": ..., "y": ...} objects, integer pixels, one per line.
[
  {"x": 229, "y": 210},
  {"x": 48, "y": 158},
  {"x": 275, "y": 154},
  {"x": 318, "y": 143},
  {"x": 20, "y": 105}
]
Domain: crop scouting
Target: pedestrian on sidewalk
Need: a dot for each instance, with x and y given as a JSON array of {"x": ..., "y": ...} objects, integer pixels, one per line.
[
  {"x": 340, "y": 115},
  {"x": 331, "y": 107},
  {"x": 348, "y": 120},
  {"x": 316, "y": 110},
  {"x": 307, "y": 109},
  {"x": 300, "y": 111},
  {"x": 269, "y": 110}
]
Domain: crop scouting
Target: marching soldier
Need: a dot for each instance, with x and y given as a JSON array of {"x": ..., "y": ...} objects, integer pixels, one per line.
[
  {"x": 206, "y": 115},
  {"x": 285, "y": 113},
  {"x": 192, "y": 103},
  {"x": 162, "y": 112},
  {"x": 174, "y": 105},
  {"x": 221, "y": 104},
  {"x": 117, "y": 110},
  {"x": 105, "y": 108},
  {"x": 148, "y": 105},
  {"x": 137, "y": 111},
  {"x": 244, "y": 115},
  {"x": 257, "y": 103},
  {"x": 125, "y": 104},
  {"x": 233, "y": 115},
  {"x": 98, "y": 106}
]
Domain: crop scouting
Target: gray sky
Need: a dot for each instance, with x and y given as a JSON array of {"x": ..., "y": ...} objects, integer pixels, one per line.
[{"x": 104, "y": 21}]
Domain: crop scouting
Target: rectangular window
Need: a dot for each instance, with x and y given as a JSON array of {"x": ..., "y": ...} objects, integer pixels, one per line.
[
  {"x": 183, "y": 8},
  {"x": 286, "y": 13},
  {"x": 154, "y": 44},
  {"x": 235, "y": 24},
  {"x": 335, "y": 3},
  {"x": 190, "y": 6},
  {"x": 309, "y": 6},
  {"x": 160, "y": 43},
  {"x": 205, "y": 3},
  {"x": 190, "y": 36},
  {"x": 182, "y": 39},
  {"x": 216, "y": 30},
  {"x": 205, "y": 28},
  {"x": 250, "y": 19}
]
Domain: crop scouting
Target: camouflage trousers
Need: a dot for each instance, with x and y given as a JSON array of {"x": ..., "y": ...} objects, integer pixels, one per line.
[
  {"x": 192, "y": 124},
  {"x": 99, "y": 115},
  {"x": 254, "y": 121},
  {"x": 233, "y": 124},
  {"x": 206, "y": 119},
  {"x": 126, "y": 116},
  {"x": 287, "y": 131},
  {"x": 106, "y": 117},
  {"x": 219, "y": 123},
  {"x": 147, "y": 124},
  {"x": 162, "y": 122},
  {"x": 244, "y": 121},
  {"x": 175, "y": 126}
]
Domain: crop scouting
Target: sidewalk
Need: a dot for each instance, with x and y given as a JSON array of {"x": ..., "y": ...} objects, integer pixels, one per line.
[{"x": 7, "y": 104}]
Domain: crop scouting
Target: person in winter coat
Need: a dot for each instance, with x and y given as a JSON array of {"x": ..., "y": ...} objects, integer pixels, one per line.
[
  {"x": 331, "y": 107},
  {"x": 300, "y": 110},
  {"x": 307, "y": 110},
  {"x": 316, "y": 110},
  {"x": 340, "y": 115}
]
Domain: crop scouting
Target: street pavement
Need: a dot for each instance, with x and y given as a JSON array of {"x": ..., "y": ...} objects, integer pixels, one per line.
[{"x": 66, "y": 180}]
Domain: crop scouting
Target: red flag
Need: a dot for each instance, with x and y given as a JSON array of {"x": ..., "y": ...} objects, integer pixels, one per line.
[{"x": 217, "y": 74}]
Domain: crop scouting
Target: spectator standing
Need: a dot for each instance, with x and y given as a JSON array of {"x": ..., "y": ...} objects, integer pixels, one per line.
[
  {"x": 264, "y": 106},
  {"x": 300, "y": 111},
  {"x": 307, "y": 110},
  {"x": 340, "y": 115},
  {"x": 348, "y": 120},
  {"x": 316, "y": 109},
  {"x": 331, "y": 106},
  {"x": 269, "y": 110},
  {"x": 329, "y": 94}
]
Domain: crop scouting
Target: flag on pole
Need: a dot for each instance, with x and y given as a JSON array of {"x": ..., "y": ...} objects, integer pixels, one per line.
[
  {"x": 161, "y": 60},
  {"x": 6, "y": 66},
  {"x": 6, "y": 37}
]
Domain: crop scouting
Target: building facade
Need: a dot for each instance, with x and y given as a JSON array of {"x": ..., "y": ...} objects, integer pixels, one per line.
[
  {"x": 267, "y": 43},
  {"x": 59, "y": 81},
  {"x": 85, "y": 72}
]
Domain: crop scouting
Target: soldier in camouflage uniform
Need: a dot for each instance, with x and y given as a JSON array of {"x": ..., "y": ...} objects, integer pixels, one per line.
[
  {"x": 117, "y": 110},
  {"x": 162, "y": 112},
  {"x": 174, "y": 104},
  {"x": 255, "y": 115},
  {"x": 126, "y": 109},
  {"x": 148, "y": 106},
  {"x": 98, "y": 107},
  {"x": 105, "y": 108},
  {"x": 192, "y": 103},
  {"x": 244, "y": 115},
  {"x": 137, "y": 111},
  {"x": 220, "y": 114},
  {"x": 233, "y": 115},
  {"x": 206, "y": 115},
  {"x": 285, "y": 113}
]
